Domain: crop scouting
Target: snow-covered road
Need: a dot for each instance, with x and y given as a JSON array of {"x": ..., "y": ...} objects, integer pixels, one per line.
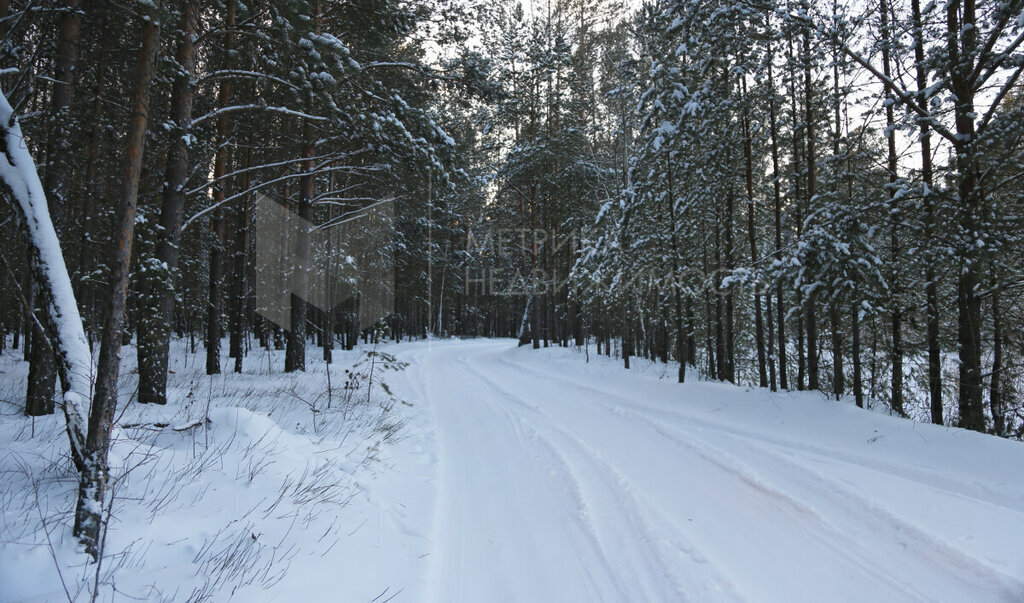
[{"x": 559, "y": 480}]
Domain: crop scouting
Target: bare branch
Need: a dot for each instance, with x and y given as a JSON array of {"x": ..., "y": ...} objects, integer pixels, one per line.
[
  {"x": 904, "y": 97},
  {"x": 997, "y": 30},
  {"x": 257, "y": 108},
  {"x": 209, "y": 183},
  {"x": 999, "y": 99},
  {"x": 978, "y": 81},
  {"x": 256, "y": 75},
  {"x": 255, "y": 187}
]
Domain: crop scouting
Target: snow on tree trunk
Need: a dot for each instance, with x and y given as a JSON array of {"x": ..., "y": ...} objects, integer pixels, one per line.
[{"x": 21, "y": 181}]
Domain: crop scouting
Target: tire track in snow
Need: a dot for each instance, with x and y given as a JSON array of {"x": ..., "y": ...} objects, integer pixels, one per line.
[
  {"x": 853, "y": 554},
  {"x": 939, "y": 550},
  {"x": 752, "y": 490},
  {"x": 557, "y": 462},
  {"x": 926, "y": 476},
  {"x": 871, "y": 517},
  {"x": 501, "y": 531},
  {"x": 767, "y": 513},
  {"x": 612, "y": 497},
  {"x": 852, "y": 504},
  {"x": 419, "y": 386}
]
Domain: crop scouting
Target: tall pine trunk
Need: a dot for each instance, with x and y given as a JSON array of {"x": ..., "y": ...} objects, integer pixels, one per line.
[
  {"x": 295, "y": 352},
  {"x": 961, "y": 46},
  {"x": 154, "y": 327},
  {"x": 748, "y": 153},
  {"x": 798, "y": 153},
  {"x": 215, "y": 302},
  {"x": 780, "y": 306},
  {"x": 835, "y": 304},
  {"x": 838, "y": 378},
  {"x": 812, "y": 160},
  {"x": 676, "y": 298},
  {"x": 236, "y": 312},
  {"x": 996, "y": 405},
  {"x": 931, "y": 278},
  {"x": 93, "y": 480},
  {"x": 896, "y": 355},
  {"x": 858, "y": 381}
]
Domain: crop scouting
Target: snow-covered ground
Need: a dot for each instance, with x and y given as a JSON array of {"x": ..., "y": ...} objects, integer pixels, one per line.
[{"x": 524, "y": 475}]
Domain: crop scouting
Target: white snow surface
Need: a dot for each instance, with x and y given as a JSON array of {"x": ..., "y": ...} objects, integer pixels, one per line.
[{"x": 535, "y": 476}]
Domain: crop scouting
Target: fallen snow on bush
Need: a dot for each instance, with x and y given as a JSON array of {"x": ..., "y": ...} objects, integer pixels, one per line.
[{"x": 253, "y": 485}]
